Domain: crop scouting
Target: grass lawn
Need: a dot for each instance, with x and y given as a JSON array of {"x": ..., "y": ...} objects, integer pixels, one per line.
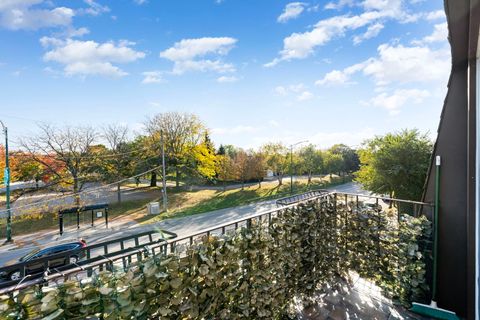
[
  {"x": 181, "y": 203},
  {"x": 184, "y": 203},
  {"x": 34, "y": 223}
]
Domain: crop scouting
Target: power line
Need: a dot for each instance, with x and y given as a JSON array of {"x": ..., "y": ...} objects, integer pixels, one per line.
[{"x": 85, "y": 177}]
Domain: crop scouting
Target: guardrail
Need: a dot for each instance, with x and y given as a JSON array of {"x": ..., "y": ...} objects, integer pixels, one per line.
[
  {"x": 97, "y": 256},
  {"x": 415, "y": 208},
  {"x": 302, "y": 197}
]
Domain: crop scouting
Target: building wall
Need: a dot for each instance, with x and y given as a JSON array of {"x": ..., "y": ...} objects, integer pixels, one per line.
[
  {"x": 451, "y": 146},
  {"x": 456, "y": 144}
]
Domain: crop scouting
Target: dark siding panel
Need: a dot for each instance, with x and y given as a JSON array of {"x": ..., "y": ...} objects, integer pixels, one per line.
[{"x": 451, "y": 146}]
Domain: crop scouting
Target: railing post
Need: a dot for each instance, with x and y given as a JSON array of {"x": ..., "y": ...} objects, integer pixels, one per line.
[
  {"x": 379, "y": 258},
  {"x": 60, "y": 222},
  {"x": 345, "y": 231}
]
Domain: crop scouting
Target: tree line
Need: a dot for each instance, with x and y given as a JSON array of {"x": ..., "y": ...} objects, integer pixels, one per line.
[{"x": 71, "y": 157}]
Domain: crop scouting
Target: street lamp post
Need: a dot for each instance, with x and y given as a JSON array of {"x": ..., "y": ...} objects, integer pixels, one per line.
[
  {"x": 6, "y": 177},
  {"x": 291, "y": 163},
  {"x": 164, "y": 181}
]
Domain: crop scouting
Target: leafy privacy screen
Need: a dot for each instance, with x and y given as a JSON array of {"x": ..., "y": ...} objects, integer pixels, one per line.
[{"x": 250, "y": 274}]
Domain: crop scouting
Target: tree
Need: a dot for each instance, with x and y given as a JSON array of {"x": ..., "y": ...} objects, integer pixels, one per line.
[
  {"x": 333, "y": 163},
  {"x": 351, "y": 161},
  {"x": 181, "y": 131},
  {"x": 225, "y": 169},
  {"x": 310, "y": 161},
  {"x": 256, "y": 167},
  {"x": 117, "y": 162},
  {"x": 395, "y": 164},
  {"x": 276, "y": 159},
  {"x": 205, "y": 159},
  {"x": 27, "y": 169},
  {"x": 70, "y": 150},
  {"x": 241, "y": 163}
]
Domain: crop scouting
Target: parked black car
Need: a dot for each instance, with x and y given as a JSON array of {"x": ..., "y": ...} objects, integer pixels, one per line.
[{"x": 73, "y": 249}]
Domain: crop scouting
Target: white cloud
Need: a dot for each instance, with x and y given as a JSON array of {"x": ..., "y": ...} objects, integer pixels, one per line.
[
  {"x": 408, "y": 64},
  {"x": 397, "y": 64},
  {"x": 225, "y": 79},
  {"x": 72, "y": 33},
  {"x": 338, "y": 77},
  {"x": 19, "y": 15},
  {"x": 292, "y": 11},
  {"x": 189, "y": 54},
  {"x": 188, "y": 49},
  {"x": 335, "y": 77},
  {"x": 305, "y": 95},
  {"x": 299, "y": 90},
  {"x": 372, "y": 32},
  {"x": 338, "y": 5},
  {"x": 440, "y": 34},
  {"x": 435, "y": 15},
  {"x": 89, "y": 57},
  {"x": 140, "y": 2},
  {"x": 152, "y": 77},
  {"x": 281, "y": 90},
  {"x": 93, "y": 9},
  {"x": 37, "y": 14},
  {"x": 352, "y": 138},
  {"x": 302, "y": 45},
  {"x": 395, "y": 101}
]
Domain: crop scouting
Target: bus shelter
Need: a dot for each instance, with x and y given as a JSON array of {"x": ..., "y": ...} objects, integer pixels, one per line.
[{"x": 96, "y": 210}]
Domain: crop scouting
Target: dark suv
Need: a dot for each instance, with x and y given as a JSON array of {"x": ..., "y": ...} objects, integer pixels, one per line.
[{"x": 73, "y": 249}]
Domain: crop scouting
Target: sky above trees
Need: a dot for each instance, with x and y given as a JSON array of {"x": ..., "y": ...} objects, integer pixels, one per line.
[{"x": 254, "y": 71}]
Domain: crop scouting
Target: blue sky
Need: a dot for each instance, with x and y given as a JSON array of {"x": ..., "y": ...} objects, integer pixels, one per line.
[{"x": 253, "y": 71}]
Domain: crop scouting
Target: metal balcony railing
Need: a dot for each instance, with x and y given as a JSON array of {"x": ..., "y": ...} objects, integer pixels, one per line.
[{"x": 125, "y": 257}]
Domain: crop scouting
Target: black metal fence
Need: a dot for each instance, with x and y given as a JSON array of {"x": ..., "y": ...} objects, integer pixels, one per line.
[
  {"x": 99, "y": 257},
  {"x": 302, "y": 197}
]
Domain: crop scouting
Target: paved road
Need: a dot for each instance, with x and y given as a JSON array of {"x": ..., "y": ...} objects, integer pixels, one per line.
[
  {"x": 124, "y": 227},
  {"x": 94, "y": 193}
]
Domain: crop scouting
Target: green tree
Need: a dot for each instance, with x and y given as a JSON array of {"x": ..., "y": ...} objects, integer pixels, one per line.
[
  {"x": 333, "y": 163},
  {"x": 181, "y": 132},
  {"x": 395, "y": 164},
  {"x": 276, "y": 159},
  {"x": 351, "y": 161},
  {"x": 310, "y": 161}
]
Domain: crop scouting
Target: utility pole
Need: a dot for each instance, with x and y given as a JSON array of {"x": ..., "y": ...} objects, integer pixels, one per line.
[
  {"x": 164, "y": 181},
  {"x": 291, "y": 163},
  {"x": 6, "y": 177}
]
